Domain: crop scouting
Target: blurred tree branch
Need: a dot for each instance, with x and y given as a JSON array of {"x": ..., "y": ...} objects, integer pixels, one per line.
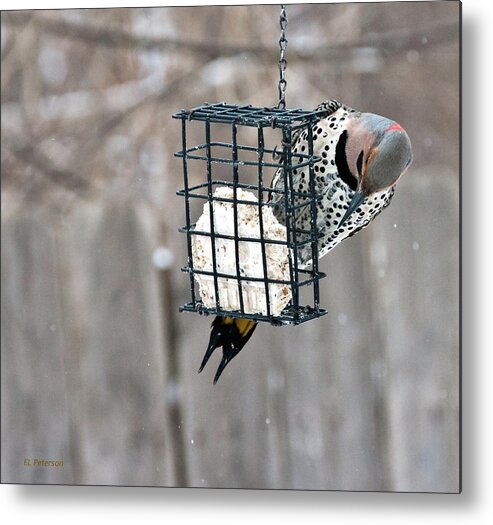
[
  {"x": 107, "y": 121},
  {"x": 390, "y": 42},
  {"x": 27, "y": 153},
  {"x": 114, "y": 119},
  {"x": 109, "y": 91}
]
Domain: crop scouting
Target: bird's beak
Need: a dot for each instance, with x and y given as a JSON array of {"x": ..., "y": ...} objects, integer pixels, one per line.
[{"x": 357, "y": 199}]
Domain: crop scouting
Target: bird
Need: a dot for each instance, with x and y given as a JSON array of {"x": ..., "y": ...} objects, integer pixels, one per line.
[{"x": 362, "y": 157}]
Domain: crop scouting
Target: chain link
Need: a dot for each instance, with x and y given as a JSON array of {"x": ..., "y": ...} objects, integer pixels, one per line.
[{"x": 283, "y": 44}]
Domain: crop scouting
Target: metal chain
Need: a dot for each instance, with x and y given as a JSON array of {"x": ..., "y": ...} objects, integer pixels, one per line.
[{"x": 283, "y": 44}]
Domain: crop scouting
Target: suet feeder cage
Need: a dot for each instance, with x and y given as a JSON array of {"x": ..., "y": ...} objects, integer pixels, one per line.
[
  {"x": 244, "y": 251},
  {"x": 249, "y": 255}
]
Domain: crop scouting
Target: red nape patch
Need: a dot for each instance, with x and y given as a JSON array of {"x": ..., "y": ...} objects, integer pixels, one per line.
[{"x": 395, "y": 127}]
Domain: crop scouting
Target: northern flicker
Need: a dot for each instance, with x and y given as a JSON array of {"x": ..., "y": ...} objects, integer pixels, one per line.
[{"x": 363, "y": 155}]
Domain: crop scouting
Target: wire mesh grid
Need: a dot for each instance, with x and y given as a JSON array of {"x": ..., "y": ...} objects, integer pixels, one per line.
[{"x": 236, "y": 157}]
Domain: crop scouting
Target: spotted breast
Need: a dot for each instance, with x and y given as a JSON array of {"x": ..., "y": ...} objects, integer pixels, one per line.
[{"x": 362, "y": 157}]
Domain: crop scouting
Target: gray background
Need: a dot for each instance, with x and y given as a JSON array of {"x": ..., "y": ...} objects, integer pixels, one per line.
[{"x": 99, "y": 369}]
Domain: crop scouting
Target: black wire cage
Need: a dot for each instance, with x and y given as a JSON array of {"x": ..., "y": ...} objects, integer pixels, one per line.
[{"x": 245, "y": 165}]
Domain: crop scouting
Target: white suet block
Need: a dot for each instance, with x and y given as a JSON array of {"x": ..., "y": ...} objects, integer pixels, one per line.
[{"x": 250, "y": 256}]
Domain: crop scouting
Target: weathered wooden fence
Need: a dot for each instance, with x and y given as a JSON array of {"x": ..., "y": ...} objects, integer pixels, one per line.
[{"x": 100, "y": 370}]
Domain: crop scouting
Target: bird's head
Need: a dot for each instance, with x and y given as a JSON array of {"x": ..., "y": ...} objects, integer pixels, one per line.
[{"x": 374, "y": 153}]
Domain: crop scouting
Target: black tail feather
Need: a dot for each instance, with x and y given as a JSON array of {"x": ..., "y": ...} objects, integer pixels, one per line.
[
  {"x": 232, "y": 335},
  {"x": 220, "y": 368},
  {"x": 214, "y": 342}
]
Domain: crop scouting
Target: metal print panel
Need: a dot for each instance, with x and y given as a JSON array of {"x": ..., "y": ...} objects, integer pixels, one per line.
[{"x": 309, "y": 141}]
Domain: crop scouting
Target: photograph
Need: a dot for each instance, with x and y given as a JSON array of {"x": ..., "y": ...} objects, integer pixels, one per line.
[{"x": 231, "y": 246}]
